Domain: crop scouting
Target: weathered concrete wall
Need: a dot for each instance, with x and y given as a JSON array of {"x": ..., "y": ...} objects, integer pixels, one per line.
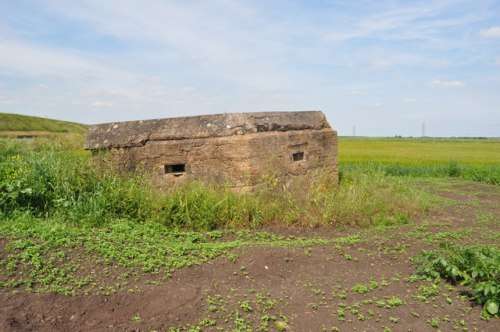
[{"x": 291, "y": 146}]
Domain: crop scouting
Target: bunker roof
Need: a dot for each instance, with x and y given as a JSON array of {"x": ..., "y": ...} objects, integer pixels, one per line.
[{"x": 137, "y": 133}]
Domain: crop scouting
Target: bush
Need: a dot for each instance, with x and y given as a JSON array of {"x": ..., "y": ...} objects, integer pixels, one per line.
[{"x": 477, "y": 267}]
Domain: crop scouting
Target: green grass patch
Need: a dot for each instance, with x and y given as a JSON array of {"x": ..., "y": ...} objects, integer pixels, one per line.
[
  {"x": 51, "y": 255},
  {"x": 17, "y": 122}
]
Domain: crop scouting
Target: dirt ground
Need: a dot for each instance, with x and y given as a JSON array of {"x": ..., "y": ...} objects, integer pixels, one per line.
[{"x": 363, "y": 285}]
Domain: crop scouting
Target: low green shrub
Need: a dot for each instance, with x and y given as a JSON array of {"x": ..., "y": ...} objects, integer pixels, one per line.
[{"x": 477, "y": 267}]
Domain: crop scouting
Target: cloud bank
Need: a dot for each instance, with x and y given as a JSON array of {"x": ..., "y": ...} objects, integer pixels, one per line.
[{"x": 358, "y": 61}]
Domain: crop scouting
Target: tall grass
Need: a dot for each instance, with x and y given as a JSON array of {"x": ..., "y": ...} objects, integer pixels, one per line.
[
  {"x": 49, "y": 182},
  {"x": 452, "y": 168},
  {"x": 52, "y": 183}
]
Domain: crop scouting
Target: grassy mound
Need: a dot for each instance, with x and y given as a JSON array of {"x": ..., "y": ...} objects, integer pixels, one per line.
[{"x": 17, "y": 122}]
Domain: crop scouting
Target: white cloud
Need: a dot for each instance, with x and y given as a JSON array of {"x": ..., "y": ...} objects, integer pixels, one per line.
[
  {"x": 272, "y": 96},
  {"x": 35, "y": 60},
  {"x": 187, "y": 89},
  {"x": 381, "y": 64},
  {"x": 60, "y": 77},
  {"x": 158, "y": 93},
  {"x": 438, "y": 63},
  {"x": 241, "y": 48},
  {"x": 409, "y": 100},
  {"x": 492, "y": 32},
  {"x": 177, "y": 102},
  {"x": 396, "y": 20},
  {"x": 446, "y": 84},
  {"x": 102, "y": 104},
  {"x": 497, "y": 62},
  {"x": 7, "y": 101}
]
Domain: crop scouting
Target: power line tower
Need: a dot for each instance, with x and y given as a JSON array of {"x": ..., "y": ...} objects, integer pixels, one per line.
[
  {"x": 423, "y": 129},
  {"x": 353, "y": 130}
]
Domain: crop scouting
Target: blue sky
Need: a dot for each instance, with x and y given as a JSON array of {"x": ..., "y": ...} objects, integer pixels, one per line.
[{"x": 385, "y": 67}]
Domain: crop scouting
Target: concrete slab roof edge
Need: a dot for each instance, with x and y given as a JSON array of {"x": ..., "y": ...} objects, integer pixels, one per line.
[{"x": 137, "y": 133}]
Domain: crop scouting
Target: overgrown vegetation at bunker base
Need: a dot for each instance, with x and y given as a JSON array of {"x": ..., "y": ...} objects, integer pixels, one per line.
[
  {"x": 71, "y": 224},
  {"x": 53, "y": 184},
  {"x": 52, "y": 201}
]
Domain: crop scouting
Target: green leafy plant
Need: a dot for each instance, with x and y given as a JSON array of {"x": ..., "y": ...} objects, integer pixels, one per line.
[
  {"x": 245, "y": 306},
  {"x": 427, "y": 291},
  {"x": 477, "y": 267},
  {"x": 394, "y": 301},
  {"x": 360, "y": 288},
  {"x": 281, "y": 326},
  {"x": 434, "y": 322}
]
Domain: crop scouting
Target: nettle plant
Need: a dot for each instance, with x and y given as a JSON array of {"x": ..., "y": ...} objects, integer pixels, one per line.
[{"x": 477, "y": 267}]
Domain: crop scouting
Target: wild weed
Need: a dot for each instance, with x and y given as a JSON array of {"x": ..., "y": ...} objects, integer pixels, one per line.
[{"x": 477, "y": 267}]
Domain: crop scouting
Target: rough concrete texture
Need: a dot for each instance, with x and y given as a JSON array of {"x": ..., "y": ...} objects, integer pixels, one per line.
[
  {"x": 137, "y": 133},
  {"x": 239, "y": 149}
]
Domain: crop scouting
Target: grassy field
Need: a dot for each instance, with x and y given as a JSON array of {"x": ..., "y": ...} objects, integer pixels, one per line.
[
  {"x": 474, "y": 159},
  {"x": 408, "y": 151},
  {"x": 21, "y": 123},
  {"x": 72, "y": 225}
]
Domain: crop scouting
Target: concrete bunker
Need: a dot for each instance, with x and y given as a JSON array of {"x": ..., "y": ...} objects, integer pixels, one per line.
[{"x": 239, "y": 149}]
